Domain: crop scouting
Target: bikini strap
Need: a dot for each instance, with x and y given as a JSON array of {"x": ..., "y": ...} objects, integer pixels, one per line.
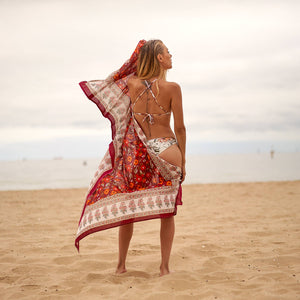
[
  {"x": 148, "y": 87},
  {"x": 143, "y": 92},
  {"x": 149, "y": 116}
]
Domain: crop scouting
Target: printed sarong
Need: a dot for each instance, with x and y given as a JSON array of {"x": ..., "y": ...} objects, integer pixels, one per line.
[{"x": 131, "y": 183}]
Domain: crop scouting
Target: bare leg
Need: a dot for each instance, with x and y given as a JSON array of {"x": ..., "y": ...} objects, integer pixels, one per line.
[
  {"x": 125, "y": 234},
  {"x": 167, "y": 231}
]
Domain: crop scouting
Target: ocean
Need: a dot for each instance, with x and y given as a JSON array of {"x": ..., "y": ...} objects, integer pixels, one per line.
[{"x": 202, "y": 168}]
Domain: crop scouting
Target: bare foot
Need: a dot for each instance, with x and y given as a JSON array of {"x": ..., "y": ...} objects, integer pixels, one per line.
[
  {"x": 164, "y": 271},
  {"x": 120, "y": 270}
]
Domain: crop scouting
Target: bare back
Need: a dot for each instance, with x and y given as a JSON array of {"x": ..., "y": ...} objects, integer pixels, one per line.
[{"x": 151, "y": 104}]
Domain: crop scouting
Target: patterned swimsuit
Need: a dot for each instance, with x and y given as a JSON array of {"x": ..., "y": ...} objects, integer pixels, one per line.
[{"x": 157, "y": 145}]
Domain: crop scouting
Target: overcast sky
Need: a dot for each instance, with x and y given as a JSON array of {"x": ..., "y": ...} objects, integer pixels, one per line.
[{"x": 238, "y": 63}]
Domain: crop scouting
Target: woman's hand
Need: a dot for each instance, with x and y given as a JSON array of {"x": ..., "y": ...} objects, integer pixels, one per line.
[{"x": 182, "y": 174}]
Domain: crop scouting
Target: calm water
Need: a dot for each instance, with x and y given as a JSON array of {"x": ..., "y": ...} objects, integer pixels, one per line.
[{"x": 210, "y": 168}]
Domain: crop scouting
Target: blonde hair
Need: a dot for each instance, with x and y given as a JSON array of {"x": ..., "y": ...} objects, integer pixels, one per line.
[{"x": 148, "y": 65}]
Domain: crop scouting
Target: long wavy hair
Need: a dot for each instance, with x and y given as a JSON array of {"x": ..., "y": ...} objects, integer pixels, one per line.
[{"x": 148, "y": 65}]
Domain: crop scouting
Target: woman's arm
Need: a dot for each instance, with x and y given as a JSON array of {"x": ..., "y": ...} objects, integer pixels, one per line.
[{"x": 179, "y": 128}]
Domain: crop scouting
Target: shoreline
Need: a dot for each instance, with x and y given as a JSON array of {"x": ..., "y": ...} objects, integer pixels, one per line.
[
  {"x": 186, "y": 185},
  {"x": 202, "y": 169},
  {"x": 232, "y": 241}
]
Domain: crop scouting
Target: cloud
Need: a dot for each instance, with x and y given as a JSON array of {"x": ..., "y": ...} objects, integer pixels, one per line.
[
  {"x": 237, "y": 63},
  {"x": 27, "y": 134}
]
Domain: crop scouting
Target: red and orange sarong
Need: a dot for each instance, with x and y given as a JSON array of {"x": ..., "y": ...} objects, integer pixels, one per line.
[{"x": 132, "y": 183}]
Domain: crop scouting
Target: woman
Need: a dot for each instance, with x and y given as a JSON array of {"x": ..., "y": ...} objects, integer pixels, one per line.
[{"x": 140, "y": 176}]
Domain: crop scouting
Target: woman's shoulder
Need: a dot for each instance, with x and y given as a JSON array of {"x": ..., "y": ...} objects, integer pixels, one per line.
[
  {"x": 172, "y": 86},
  {"x": 168, "y": 85},
  {"x": 132, "y": 80}
]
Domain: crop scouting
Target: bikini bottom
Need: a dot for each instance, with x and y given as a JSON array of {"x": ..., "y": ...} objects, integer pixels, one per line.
[{"x": 158, "y": 145}]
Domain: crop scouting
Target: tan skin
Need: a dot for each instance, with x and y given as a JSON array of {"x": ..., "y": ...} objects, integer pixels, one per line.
[{"x": 170, "y": 98}]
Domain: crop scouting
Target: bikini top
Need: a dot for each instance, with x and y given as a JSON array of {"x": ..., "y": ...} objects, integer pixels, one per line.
[{"x": 149, "y": 116}]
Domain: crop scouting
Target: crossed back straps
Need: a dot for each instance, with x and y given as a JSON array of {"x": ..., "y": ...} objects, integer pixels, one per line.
[{"x": 149, "y": 116}]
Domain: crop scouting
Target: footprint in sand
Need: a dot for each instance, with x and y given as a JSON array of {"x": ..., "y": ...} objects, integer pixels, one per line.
[
  {"x": 64, "y": 260},
  {"x": 29, "y": 287},
  {"x": 94, "y": 277},
  {"x": 137, "y": 274},
  {"x": 8, "y": 279},
  {"x": 214, "y": 263}
]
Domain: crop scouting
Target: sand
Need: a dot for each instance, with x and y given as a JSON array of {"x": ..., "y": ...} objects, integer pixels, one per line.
[{"x": 233, "y": 241}]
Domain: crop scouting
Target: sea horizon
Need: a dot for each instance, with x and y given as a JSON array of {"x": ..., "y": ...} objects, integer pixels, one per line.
[{"x": 60, "y": 172}]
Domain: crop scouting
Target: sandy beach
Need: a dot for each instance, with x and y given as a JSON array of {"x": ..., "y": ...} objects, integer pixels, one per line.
[{"x": 232, "y": 241}]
